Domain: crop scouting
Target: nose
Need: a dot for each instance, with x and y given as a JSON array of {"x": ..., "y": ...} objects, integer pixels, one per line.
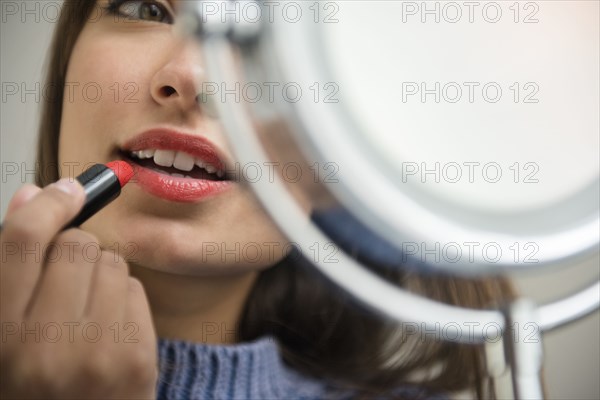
[{"x": 176, "y": 84}]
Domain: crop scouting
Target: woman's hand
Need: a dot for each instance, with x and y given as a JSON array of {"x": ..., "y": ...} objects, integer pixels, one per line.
[{"x": 74, "y": 324}]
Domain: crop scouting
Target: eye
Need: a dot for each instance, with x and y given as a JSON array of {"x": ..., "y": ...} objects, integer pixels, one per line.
[{"x": 140, "y": 10}]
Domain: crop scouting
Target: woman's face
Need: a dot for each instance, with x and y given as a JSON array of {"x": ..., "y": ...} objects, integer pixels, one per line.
[{"x": 131, "y": 85}]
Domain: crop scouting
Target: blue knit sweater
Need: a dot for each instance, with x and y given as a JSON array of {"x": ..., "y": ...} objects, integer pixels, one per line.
[{"x": 251, "y": 370}]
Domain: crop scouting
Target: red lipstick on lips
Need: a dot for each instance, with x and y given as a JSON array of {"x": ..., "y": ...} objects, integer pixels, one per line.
[{"x": 159, "y": 182}]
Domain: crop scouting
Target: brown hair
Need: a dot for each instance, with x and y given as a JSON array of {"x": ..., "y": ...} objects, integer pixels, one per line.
[{"x": 322, "y": 331}]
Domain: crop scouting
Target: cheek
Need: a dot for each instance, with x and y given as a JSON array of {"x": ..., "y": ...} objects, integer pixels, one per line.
[
  {"x": 109, "y": 58},
  {"x": 102, "y": 86}
]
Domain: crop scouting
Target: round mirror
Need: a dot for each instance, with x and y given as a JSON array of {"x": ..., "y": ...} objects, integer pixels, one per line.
[{"x": 464, "y": 136}]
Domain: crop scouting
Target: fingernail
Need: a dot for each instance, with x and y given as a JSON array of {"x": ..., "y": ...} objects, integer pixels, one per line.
[{"x": 68, "y": 185}]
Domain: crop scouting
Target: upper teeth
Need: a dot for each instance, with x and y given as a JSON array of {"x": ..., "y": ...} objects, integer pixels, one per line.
[{"x": 177, "y": 159}]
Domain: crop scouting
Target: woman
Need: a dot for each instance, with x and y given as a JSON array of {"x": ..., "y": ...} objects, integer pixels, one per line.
[{"x": 228, "y": 326}]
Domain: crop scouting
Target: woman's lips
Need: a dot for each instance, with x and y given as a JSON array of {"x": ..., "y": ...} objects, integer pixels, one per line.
[
  {"x": 174, "y": 188},
  {"x": 166, "y": 139},
  {"x": 158, "y": 182}
]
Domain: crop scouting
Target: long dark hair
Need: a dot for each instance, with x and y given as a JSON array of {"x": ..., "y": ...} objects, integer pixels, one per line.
[{"x": 321, "y": 330}]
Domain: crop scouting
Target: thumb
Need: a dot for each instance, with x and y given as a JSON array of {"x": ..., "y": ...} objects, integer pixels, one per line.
[{"x": 22, "y": 196}]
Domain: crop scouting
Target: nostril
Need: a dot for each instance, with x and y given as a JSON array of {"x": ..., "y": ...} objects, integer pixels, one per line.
[{"x": 168, "y": 91}]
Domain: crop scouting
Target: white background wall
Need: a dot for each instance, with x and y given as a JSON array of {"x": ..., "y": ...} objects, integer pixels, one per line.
[{"x": 572, "y": 361}]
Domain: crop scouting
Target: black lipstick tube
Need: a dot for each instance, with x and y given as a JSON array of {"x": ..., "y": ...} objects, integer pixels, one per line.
[{"x": 101, "y": 186}]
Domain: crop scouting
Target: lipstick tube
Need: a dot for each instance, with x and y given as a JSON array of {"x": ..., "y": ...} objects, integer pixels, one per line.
[{"x": 102, "y": 184}]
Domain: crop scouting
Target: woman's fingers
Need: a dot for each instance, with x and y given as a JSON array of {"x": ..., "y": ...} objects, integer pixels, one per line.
[
  {"x": 138, "y": 312},
  {"x": 26, "y": 233},
  {"x": 139, "y": 336},
  {"x": 80, "y": 324},
  {"x": 119, "y": 305},
  {"x": 65, "y": 283},
  {"x": 106, "y": 303}
]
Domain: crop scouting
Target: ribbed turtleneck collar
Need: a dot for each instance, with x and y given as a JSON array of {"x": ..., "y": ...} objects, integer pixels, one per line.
[{"x": 251, "y": 370}]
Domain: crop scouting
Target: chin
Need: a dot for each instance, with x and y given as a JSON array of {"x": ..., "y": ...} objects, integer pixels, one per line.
[{"x": 175, "y": 247}]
